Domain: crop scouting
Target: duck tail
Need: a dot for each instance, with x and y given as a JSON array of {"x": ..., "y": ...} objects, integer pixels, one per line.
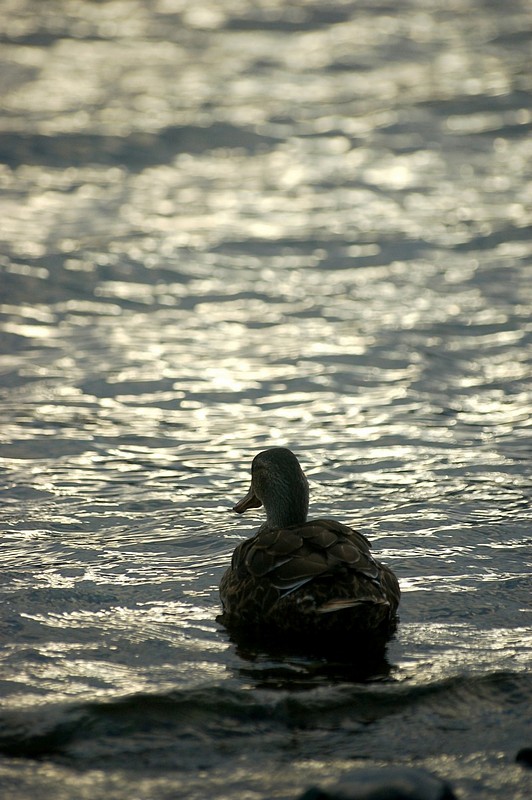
[{"x": 339, "y": 605}]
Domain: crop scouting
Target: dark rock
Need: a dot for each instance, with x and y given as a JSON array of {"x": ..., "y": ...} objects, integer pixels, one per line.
[
  {"x": 388, "y": 783},
  {"x": 524, "y": 757}
]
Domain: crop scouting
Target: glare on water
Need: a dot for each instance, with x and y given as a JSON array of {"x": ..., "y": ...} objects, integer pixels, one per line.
[{"x": 228, "y": 226}]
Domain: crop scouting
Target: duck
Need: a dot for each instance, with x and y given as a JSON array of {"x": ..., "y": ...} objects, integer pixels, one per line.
[{"x": 304, "y": 580}]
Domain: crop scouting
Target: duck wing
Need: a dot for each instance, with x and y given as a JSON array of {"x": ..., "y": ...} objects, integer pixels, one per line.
[{"x": 290, "y": 557}]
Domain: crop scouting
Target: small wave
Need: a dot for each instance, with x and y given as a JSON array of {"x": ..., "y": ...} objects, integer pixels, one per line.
[{"x": 136, "y": 151}]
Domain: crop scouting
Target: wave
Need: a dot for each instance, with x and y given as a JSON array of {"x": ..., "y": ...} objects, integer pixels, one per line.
[{"x": 142, "y": 722}]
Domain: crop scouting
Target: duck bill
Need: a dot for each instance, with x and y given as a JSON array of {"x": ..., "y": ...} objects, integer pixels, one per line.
[{"x": 250, "y": 501}]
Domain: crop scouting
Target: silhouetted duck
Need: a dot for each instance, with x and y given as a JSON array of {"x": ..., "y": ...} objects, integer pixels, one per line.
[{"x": 304, "y": 580}]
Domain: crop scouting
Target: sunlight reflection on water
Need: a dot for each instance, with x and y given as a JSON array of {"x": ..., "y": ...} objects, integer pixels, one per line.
[{"x": 231, "y": 226}]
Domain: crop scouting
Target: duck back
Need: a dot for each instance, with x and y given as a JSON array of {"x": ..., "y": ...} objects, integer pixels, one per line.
[{"x": 315, "y": 579}]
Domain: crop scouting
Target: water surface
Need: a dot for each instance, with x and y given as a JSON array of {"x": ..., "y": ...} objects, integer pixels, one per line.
[{"x": 228, "y": 226}]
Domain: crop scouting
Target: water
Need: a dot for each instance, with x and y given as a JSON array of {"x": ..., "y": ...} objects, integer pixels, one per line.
[{"x": 231, "y": 225}]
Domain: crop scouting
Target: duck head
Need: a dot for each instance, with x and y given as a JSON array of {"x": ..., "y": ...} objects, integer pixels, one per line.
[{"x": 279, "y": 484}]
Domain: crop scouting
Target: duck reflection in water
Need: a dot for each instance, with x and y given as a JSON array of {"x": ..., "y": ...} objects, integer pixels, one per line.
[
  {"x": 300, "y": 666},
  {"x": 312, "y": 585}
]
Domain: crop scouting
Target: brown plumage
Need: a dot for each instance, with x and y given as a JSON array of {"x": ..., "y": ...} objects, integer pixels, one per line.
[{"x": 306, "y": 580}]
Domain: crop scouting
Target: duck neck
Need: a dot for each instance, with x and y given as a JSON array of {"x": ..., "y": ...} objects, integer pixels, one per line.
[{"x": 288, "y": 507}]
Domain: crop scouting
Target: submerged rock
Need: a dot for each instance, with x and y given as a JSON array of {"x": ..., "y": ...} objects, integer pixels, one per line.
[
  {"x": 524, "y": 757},
  {"x": 388, "y": 783}
]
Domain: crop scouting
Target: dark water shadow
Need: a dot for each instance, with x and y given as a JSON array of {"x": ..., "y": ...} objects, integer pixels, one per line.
[{"x": 273, "y": 663}]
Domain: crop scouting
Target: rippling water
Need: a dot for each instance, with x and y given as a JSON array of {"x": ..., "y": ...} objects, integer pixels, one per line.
[{"x": 231, "y": 225}]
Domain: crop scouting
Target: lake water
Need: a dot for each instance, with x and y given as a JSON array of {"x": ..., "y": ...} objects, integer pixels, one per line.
[{"x": 232, "y": 225}]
